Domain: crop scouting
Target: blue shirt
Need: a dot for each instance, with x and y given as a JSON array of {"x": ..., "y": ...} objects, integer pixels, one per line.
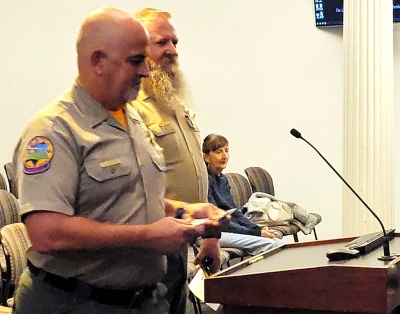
[{"x": 219, "y": 194}]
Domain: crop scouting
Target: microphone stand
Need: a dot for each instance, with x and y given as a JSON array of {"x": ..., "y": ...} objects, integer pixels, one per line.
[{"x": 386, "y": 249}]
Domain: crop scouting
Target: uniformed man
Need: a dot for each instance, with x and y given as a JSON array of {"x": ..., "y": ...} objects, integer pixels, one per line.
[
  {"x": 91, "y": 183},
  {"x": 164, "y": 106}
]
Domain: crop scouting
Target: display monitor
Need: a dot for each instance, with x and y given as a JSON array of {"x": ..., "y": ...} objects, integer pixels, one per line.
[
  {"x": 330, "y": 12},
  {"x": 396, "y": 11}
]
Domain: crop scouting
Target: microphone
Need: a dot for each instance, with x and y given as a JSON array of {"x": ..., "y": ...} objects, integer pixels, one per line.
[{"x": 386, "y": 250}]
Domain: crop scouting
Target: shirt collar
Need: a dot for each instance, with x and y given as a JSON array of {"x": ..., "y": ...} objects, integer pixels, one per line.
[
  {"x": 214, "y": 175},
  {"x": 90, "y": 107}
]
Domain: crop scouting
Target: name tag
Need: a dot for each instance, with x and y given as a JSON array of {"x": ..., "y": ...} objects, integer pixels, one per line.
[{"x": 110, "y": 163}]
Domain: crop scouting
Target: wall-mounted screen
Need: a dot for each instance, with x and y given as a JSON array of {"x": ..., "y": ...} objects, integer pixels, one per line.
[{"x": 330, "y": 12}]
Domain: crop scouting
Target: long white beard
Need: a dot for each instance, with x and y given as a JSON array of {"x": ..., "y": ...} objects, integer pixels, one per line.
[{"x": 166, "y": 84}]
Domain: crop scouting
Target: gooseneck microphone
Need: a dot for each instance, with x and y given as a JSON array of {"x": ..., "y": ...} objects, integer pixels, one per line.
[{"x": 386, "y": 250}]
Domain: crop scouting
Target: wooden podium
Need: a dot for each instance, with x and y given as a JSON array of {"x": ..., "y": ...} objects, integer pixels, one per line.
[{"x": 299, "y": 278}]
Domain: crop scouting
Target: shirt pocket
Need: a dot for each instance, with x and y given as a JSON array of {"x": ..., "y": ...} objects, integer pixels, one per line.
[
  {"x": 161, "y": 129},
  {"x": 106, "y": 169},
  {"x": 158, "y": 158},
  {"x": 166, "y": 136}
]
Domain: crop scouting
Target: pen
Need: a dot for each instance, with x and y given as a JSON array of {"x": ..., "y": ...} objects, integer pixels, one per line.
[{"x": 255, "y": 260}]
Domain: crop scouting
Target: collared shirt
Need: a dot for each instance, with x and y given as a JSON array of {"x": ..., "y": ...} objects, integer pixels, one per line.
[
  {"x": 177, "y": 133},
  {"x": 219, "y": 191},
  {"x": 76, "y": 159},
  {"x": 219, "y": 194}
]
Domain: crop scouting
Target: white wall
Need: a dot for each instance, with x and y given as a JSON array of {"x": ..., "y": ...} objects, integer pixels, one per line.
[{"x": 257, "y": 69}]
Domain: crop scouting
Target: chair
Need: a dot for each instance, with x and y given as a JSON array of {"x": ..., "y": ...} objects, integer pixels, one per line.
[
  {"x": 261, "y": 181},
  {"x": 15, "y": 241},
  {"x": 233, "y": 254},
  {"x": 241, "y": 192},
  {"x": 12, "y": 179},
  {"x": 3, "y": 183},
  {"x": 9, "y": 208},
  {"x": 240, "y": 188},
  {"x": 4, "y": 283}
]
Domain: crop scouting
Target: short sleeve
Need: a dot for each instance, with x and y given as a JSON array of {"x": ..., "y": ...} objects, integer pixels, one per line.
[{"x": 47, "y": 168}]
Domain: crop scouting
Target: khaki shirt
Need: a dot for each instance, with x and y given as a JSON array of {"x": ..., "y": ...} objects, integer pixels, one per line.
[
  {"x": 177, "y": 133},
  {"x": 76, "y": 159}
]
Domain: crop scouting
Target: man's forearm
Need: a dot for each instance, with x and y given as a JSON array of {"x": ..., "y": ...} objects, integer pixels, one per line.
[
  {"x": 171, "y": 206},
  {"x": 63, "y": 233}
]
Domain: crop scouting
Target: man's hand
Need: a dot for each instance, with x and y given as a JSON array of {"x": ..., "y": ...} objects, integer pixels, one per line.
[
  {"x": 204, "y": 210},
  {"x": 209, "y": 248},
  {"x": 169, "y": 234}
]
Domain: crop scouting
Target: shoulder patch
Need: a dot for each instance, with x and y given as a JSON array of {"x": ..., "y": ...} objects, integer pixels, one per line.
[{"x": 37, "y": 155}]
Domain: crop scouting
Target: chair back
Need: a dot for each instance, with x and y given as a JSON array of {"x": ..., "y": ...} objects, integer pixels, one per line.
[
  {"x": 3, "y": 183},
  {"x": 12, "y": 179},
  {"x": 9, "y": 208},
  {"x": 240, "y": 188},
  {"x": 260, "y": 180},
  {"x": 15, "y": 241}
]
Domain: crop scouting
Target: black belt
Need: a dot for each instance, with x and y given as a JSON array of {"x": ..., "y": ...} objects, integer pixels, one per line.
[{"x": 131, "y": 298}]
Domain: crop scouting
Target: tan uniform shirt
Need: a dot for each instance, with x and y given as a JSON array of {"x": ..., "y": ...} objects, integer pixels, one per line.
[
  {"x": 177, "y": 133},
  {"x": 76, "y": 159}
]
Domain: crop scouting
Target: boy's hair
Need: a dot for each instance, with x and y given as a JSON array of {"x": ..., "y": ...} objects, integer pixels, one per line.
[{"x": 212, "y": 142}]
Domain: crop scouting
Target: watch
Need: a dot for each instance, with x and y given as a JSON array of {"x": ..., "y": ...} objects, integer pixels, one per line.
[
  {"x": 180, "y": 211},
  {"x": 211, "y": 233}
]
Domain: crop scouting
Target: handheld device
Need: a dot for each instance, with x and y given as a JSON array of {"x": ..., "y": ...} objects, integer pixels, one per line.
[{"x": 227, "y": 212}]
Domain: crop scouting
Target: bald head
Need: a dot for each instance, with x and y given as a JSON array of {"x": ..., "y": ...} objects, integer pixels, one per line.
[
  {"x": 101, "y": 28},
  {"x": 111, "y": 47}
]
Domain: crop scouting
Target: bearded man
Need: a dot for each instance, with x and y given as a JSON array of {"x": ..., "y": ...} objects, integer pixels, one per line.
[{"x": 162, "y": 104}]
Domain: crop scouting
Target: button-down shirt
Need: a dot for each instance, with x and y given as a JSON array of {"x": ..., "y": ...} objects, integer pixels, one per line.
[{"x": 76, "y": 159}]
